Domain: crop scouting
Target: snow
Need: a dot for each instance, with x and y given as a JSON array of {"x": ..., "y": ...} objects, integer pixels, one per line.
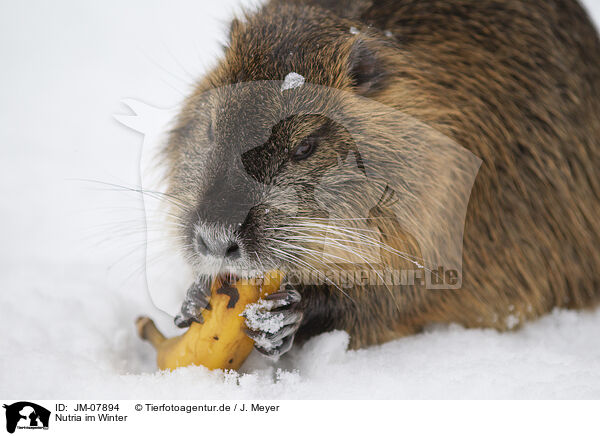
[
  {"x": 292, "y": 81},
  {"x": 257, "y": 319},
  {"x": 71, "y": 259}
]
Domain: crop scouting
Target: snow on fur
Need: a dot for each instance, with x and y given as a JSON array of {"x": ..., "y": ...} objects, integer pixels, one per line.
[{"x": 292, "y": 81}]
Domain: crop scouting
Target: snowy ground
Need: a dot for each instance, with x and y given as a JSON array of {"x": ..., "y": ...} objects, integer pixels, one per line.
[{"x": 71, "y": 261}]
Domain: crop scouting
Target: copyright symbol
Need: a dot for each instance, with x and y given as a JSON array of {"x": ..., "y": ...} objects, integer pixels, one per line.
[{"x": 138, "y": 407}]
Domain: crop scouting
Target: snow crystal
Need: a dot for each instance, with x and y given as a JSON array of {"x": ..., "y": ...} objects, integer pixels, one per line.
[
  {"x": 292, "y": 81},
  {"x": 512, "y": 321},
  {"x": 263, "y": 342},
  {"x": 259, "y": 317}
]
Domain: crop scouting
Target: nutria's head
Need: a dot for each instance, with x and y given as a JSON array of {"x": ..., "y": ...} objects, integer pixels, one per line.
[{"x": 269, "y": 127}]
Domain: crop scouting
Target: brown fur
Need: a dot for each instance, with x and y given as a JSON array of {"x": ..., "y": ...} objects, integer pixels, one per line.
[{"x": 515, "y": 82}]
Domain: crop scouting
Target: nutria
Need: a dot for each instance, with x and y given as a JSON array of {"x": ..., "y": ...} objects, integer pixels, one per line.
[{"x": 517, "y": 83}]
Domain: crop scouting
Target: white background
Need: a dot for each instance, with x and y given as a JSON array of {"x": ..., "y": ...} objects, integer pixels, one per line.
[{"x": 71, "y": 265}]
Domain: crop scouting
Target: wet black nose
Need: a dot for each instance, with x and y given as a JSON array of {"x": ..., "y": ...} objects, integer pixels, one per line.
[{"x": 226, "y": 249}]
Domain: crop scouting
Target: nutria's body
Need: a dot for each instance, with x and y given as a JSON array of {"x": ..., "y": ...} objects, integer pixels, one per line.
[{"x": 515, "y": 82}]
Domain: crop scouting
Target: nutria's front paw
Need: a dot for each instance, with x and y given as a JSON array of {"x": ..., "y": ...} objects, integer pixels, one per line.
[
  {"x": 273, "y": 321},
  {"x": 196, "y": 299}
]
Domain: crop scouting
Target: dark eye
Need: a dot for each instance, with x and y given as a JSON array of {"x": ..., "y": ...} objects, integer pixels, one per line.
[{"x": 306, "y": 148}]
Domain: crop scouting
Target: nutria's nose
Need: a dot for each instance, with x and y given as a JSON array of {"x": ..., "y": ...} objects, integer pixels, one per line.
[{"x": 227, "y": 249}]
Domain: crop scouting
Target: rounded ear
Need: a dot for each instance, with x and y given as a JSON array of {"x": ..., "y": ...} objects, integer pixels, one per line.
[{"x": 365, "y": 69}]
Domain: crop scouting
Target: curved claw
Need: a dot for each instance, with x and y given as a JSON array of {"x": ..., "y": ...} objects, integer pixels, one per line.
[
  {"x": 274, "y": 322},
  {"x": 273, "y": 338},
  {"x": 287, "y": 298},
  {"x": 184, "y": 320},
  {"x": 196, "y": 299},
  {"x": 276, "y": 352}
]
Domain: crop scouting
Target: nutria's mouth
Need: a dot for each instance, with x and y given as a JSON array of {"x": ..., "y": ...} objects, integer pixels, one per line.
[{"x": 228, "y": 278}]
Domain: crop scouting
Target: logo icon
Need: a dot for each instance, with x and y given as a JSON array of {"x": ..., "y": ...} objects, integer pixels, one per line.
[{"x": 26, "y": 415}]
